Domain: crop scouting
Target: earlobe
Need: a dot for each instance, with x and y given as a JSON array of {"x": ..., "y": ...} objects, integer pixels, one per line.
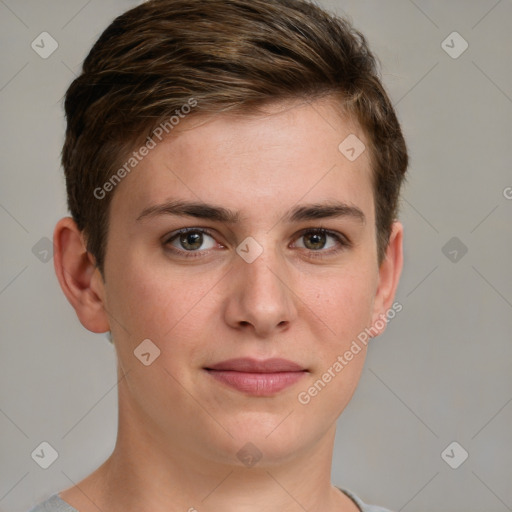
[
  {"x": 389, "y": 276},
  {"x": 79, "y": 277}
]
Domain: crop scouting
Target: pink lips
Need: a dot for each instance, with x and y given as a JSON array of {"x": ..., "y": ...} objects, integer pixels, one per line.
[{"x": 259, "y": 378}]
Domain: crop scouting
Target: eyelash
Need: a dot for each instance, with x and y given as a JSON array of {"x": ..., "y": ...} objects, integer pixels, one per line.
[{"x": 342, "y": 241}]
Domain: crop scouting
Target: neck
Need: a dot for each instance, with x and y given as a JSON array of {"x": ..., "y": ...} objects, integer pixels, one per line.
[{"x": 149, "y": 471}]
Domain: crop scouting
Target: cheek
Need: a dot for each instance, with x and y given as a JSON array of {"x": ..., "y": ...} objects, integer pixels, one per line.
[
  {"x": 151, "y": 301},
  {"x": 345, "y": 307},
  {"x": 343, "y": 301}
]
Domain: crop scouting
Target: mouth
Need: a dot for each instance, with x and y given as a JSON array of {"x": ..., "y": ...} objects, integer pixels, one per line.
[{"x": 257, "y": 378}]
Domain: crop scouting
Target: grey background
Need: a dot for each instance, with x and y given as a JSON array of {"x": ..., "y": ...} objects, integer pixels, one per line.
[{"x": 442, "y": 372}]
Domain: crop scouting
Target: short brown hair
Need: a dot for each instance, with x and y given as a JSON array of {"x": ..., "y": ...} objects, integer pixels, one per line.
[{"x": 229, "y": 55}]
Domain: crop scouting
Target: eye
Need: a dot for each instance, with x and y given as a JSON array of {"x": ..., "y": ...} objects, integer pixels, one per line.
[
  {"x": 321, "y": 240},
  {"x": 318, "y": 242},
  {"x": 191, "y": 240}
]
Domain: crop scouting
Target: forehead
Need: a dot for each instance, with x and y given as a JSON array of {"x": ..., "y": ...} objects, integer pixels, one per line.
[{"x": 262, "y": 162}]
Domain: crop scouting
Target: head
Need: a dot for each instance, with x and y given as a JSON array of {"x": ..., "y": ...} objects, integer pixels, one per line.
[
  {"x": 209, "y": 57},
  {"x": 238, "y": 107}
]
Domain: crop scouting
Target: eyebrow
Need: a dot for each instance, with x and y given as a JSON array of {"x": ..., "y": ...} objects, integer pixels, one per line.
[{"x": 200, "y": 210}]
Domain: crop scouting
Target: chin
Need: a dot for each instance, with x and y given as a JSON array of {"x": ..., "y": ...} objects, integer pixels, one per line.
[{"x": 265, "y": 439}]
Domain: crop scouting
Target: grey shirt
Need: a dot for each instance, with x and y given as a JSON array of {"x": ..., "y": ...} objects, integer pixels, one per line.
[{"x": 56, "y": 504}]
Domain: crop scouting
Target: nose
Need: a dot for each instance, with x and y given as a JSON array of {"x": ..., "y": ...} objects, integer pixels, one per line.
[{"x": 261, "y": 298}]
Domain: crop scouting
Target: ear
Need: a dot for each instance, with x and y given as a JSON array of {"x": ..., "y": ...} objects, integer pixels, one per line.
[
  {"x": 79, "y": 278},
  {"x": 389, "y": 275}
]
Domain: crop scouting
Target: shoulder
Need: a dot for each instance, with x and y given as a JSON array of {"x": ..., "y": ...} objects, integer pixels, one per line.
[
  {"x": 53, "y": 504},
  {"x": 363, "y": 506}
]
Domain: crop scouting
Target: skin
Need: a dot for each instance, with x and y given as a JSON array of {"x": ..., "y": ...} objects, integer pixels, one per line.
[{"x": 180, "y": 429}]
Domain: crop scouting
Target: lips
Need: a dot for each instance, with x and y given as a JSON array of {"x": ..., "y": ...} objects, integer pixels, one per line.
[
  {"x": 258, "y": 378},
  {"x": 254, "y": 366}
]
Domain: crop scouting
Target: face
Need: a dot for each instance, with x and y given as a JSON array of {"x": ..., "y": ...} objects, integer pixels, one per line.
[{"x": 248, "y": 238}]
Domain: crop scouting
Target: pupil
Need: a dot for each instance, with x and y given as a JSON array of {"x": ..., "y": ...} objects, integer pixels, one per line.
[
  {"x": 191, "y": 240},
  {"x": 317, "y": 241}
]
